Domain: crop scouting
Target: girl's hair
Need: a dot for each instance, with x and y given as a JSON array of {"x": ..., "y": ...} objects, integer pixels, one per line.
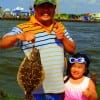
[{"x": 77, "y": 55}]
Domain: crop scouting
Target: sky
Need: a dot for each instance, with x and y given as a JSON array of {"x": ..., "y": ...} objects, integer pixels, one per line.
[{"x": 64, "y": 6}]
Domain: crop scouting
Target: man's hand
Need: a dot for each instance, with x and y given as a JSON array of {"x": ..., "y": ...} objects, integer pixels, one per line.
[
  {"x": 59, "y": 30},
  {"x": 30, "y": 35}
]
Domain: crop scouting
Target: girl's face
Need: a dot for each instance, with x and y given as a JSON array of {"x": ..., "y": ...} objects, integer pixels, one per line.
[
  {"x": 45, "y": 12},
  {"x": 77, "y": 70}
]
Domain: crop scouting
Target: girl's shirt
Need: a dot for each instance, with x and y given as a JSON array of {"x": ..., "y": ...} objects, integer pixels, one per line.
[{"x": 74, "y": 91}]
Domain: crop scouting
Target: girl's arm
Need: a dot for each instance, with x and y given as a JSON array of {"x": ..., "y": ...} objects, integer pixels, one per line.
[{"x": 91, "y": 92}]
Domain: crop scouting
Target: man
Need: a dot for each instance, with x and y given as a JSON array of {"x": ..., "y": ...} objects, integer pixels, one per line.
[{"x": 52, "y": 40}]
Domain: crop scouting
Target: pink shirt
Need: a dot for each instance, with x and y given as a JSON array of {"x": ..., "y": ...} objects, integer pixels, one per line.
[{"x": 74, "y": 91}]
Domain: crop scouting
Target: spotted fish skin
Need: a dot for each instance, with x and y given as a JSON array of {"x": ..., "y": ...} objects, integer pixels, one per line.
[{"x": 30, "y": 74}]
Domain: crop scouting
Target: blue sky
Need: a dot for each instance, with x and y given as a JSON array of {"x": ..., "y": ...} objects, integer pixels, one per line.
[{"x": 65, "y": 6}]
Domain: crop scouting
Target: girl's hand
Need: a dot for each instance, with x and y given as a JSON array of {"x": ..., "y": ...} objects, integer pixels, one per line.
[{"x": 86, "y": 93}]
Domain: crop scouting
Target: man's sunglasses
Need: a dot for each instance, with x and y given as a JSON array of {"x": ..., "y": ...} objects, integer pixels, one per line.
[{"x": 79, "y": 60}]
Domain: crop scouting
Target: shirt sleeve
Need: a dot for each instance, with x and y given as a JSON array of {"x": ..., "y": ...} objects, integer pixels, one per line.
[
  {"x": 68, "y": 35},
  {"x": 14, "y": 31}
]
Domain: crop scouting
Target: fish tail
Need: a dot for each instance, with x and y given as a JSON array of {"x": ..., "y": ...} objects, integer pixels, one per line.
[{"x": 29, "y": 96}]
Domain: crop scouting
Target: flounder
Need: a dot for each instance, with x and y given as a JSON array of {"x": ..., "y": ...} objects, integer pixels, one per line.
[{"x": 30, "y": 73}]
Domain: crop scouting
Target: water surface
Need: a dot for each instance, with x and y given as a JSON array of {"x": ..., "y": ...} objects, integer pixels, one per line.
[{"x": 86, "y": 36}]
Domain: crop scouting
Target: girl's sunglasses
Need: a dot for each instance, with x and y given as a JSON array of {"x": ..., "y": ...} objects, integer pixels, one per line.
[{"x": 79, "y": 60}]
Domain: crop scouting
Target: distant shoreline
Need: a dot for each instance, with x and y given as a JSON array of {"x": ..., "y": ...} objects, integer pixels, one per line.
[
  {"x": 80, "y": 21},
  {"x": 68, "y": 20},
  {"x": 15, "y": 18}
]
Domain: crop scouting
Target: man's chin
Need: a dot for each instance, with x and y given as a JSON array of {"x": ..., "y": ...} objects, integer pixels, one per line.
[{"x": 46, "y": 19}]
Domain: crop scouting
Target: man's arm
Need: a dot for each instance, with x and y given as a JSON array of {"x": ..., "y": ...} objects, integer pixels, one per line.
[
  {"x": 8, "y": 41},
  {"x": 69, "y": 44}
]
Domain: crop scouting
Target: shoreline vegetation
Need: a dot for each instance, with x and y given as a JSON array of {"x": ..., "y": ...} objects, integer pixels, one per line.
[
  {"x": 66, "y": 20},
  {"x": 58, "y": 17}
]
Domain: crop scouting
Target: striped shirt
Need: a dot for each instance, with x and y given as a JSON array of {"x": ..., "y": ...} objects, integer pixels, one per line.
[{"x": 52, "y": 57}]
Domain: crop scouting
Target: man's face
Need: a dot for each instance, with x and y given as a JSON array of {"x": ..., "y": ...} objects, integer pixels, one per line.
[{"x": 44, "y": 12}]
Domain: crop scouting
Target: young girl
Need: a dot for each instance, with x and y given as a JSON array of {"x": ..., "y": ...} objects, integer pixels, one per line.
[{"x": 77, "y": 85}]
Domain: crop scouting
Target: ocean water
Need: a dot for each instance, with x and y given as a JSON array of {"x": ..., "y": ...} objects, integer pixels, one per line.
[{"x": 86, "y": 36}]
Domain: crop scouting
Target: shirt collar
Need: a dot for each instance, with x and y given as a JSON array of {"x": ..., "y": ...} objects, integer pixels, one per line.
[{"x": 46, "y": 28}]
